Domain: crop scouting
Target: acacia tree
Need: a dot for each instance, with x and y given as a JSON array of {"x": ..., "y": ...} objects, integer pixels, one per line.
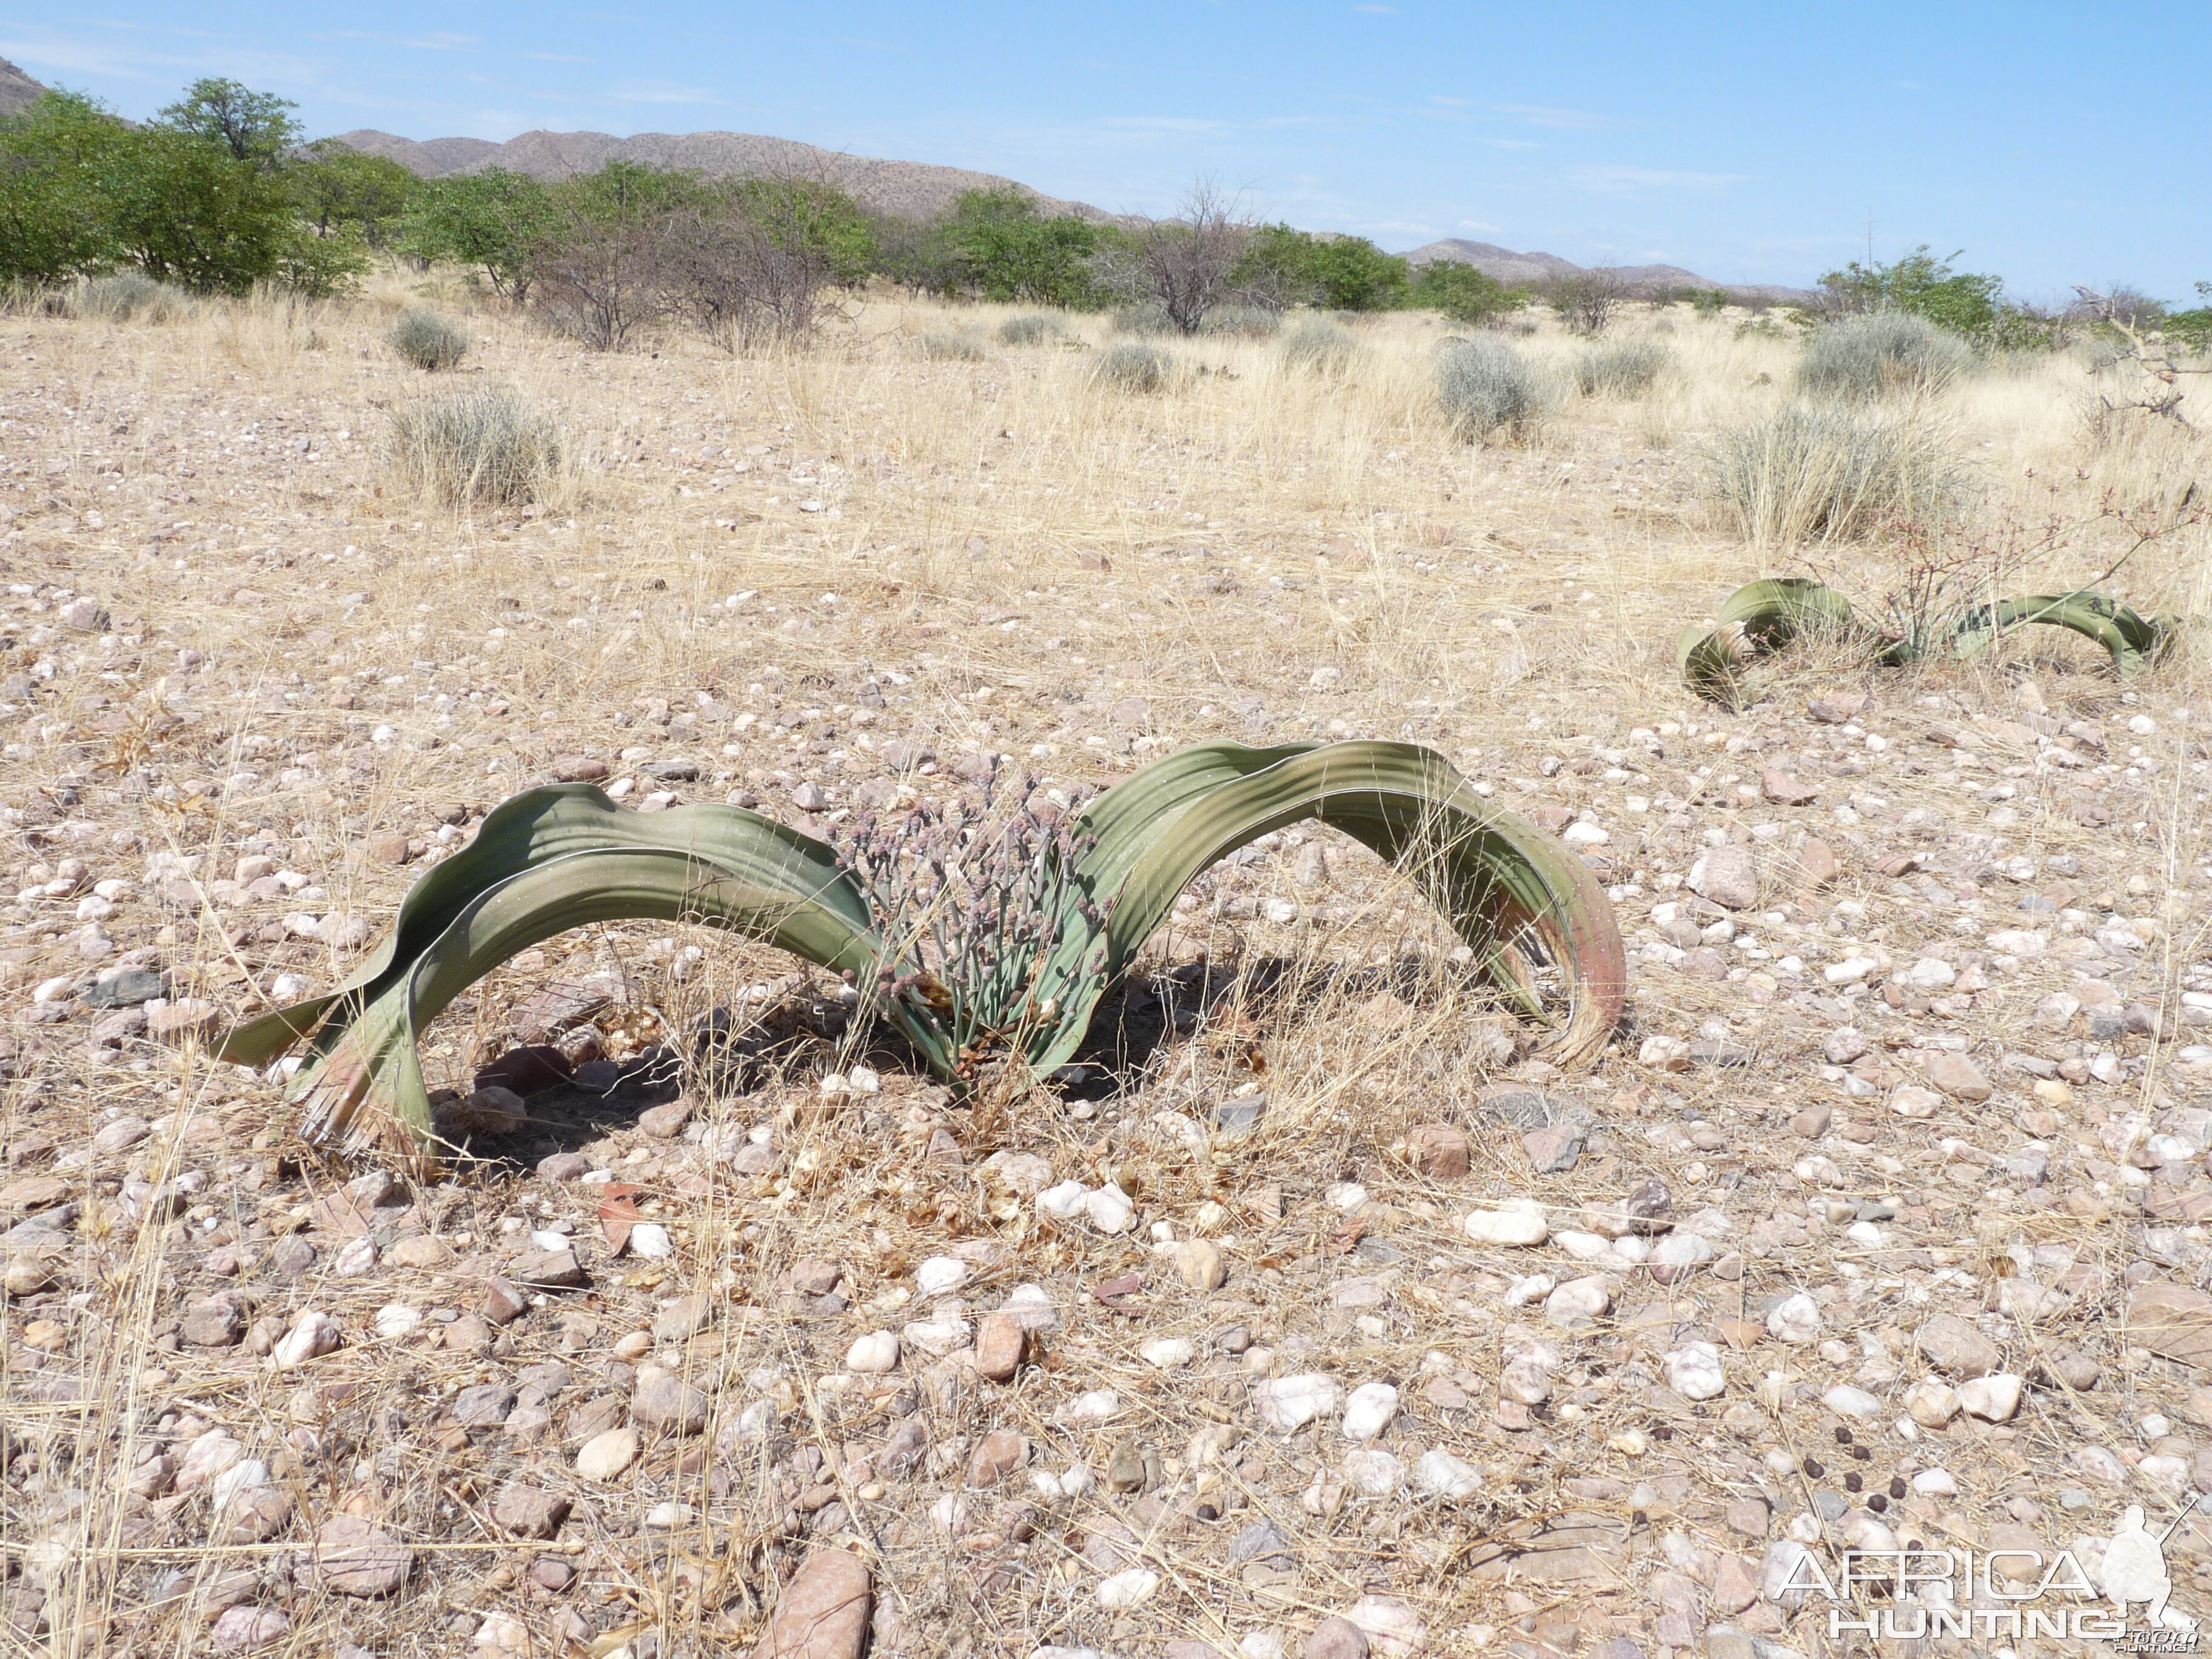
[
  {"x": 1187, "y": 265},
  {"x": 253, "y": 127},
  {"x": 599, "y": 267},
  {"x": 494, "y": 220},
  {"x": 754, "y": 260}
]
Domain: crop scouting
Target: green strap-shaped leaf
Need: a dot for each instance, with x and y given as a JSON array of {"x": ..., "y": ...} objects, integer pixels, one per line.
[
  {"x": 1762, "y": 617},
  {"x": 1758, "y": 619},
  {"x": 1507, "y": 889},
  {"x": 368, "y": 1088},
  {"x": 552, "y": 859},
  {"x": 2132, "y": 642}
]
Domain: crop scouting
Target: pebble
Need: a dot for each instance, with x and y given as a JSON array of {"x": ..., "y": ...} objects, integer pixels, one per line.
[
  {"x": 1579, "y": 1301},
  {"x": 1166, "y": 1353},
  {"x": 940, "y": 1274},
  {"x": 651, "y": 1241},
  {"x": 1931, "y": 1403},
  {"x": 1693, "y": 1371},
  {"x": 241, "y": 1629},
  {"x": 312, "y": 1335},
  {"x": 353, "y": 1558},
  {"x": 1795, "y": 1319},
  {"x": 1336, "y": 1638},
  {"x": 1000, "y": 1340},
  {"x": 606, "y": 1456},
  {"x": 1374, "y": 1474},
  {"x": 1110, "y": 1210},
  {"x": 1287, "y": 1404},
  {"x": 1392, "y": 1629},
  {"x": 1199, "y": 1263},
  {"x": 874, "y": 1353},
  {"x": 664, "y": 1400},
  {"x": 1129, "y": 1587},
  {"x": 1846, "y": 1400},
  {"x": 824, "y": 1612},
  {"x": 1956, "y": 1347},
  {"x": 1369, "y": 1413},
  {"x": 529, "y": 1511},
  {"x": 1442, "y": 1475},
  {"x": 1993, "y": 1399},
  {"x": 1519, "y": 1223}
]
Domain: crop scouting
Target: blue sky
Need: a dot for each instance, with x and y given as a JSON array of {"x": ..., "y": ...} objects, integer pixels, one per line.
[{"x": 2054, "y": 144}]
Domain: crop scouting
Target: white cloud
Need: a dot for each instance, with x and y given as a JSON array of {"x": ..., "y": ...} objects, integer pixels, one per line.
[
  {"x": 1615, "y": 179},
  {"x": 1539, "y": 115},
  {"x": 1483, "y": 225},
  {"x": 660, "y": 92}
]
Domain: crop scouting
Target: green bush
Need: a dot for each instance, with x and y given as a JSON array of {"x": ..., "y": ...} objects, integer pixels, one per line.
[
  {"x": 1133, "y": 367},
  {"x": 2192, "y": 330},
  {"x": 485, "y": 446},
  {"x": 429, "y": 341},
  {"x": 57, "y": 157},
  {"x": 1004, "y": 249},
  {"x": 951, "y": 348},
  {"x": 341, "y": 189},
  {"x": 1921, "y": 285},
  {"x": 1818, "y": 471},
  {"x": 1882, "y": 352},
  {"x": 490, "y": 220},
  {"x": 1316, "y": 344},
  {"x": 1485, "y": 386},
  {"x": 1462, "y": 293},
  {"x": 1028, "y": 330},
  {"x": 1343, "y": 273},
  {"x": 1628, "y": 368}
]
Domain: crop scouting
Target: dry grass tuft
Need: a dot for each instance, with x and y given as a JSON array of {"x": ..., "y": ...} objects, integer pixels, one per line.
[
  {"x": 1879, "y": 354},
  {"x": 429, "y": 341},
  {"x": 1130, "y": 367},
  {"x": 1817, "y": 472},
  {"x": 1486, "y": 387},
  {"x": 482, "y": 448}
]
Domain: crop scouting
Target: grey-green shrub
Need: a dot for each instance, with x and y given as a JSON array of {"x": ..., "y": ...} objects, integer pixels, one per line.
[
  {"x": 1148, "y": 318},
  {"x": 1627, "y": 369},
  {"x": 1316, "y": 344},
  {"x": 1882, "y": 352},
  {"x": 1253, "y": 322},
  {"x": 1133, "y": 367},
  {"x": 1027, "y": 329},
  {"x": 1822, "y": 473},
  {"x": 426, "y": 340},
  {"x": 485, "y": 446},
  {"x": 1485, "y": 386},
  {"x": 129, "y": 294},
  {"x": 951, "y": 349}
]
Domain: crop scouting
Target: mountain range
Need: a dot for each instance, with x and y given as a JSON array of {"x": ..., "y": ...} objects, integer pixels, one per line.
[
  {"x": 910, "y": 190},
  {"x": 1514, "y": 269}
]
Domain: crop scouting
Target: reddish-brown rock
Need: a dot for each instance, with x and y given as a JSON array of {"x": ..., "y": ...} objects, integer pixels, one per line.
[{"x": 822, "y": 1612}]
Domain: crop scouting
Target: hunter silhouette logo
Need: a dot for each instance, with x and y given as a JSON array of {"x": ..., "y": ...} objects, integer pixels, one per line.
[{"x": 2134, "y": 1571}]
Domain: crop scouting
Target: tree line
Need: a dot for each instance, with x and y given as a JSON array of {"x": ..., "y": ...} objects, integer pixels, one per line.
[{"x": 222, "y": 192}]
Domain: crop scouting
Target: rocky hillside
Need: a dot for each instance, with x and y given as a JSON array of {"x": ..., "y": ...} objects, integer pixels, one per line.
[
  {"x": 1534, "y": 268},
  {"x": 912, "y": 190},
  {"x": 17, "y": 89}
]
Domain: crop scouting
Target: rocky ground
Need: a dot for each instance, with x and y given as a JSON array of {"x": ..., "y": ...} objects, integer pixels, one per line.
[{"x": 1316, "y": 1314}]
